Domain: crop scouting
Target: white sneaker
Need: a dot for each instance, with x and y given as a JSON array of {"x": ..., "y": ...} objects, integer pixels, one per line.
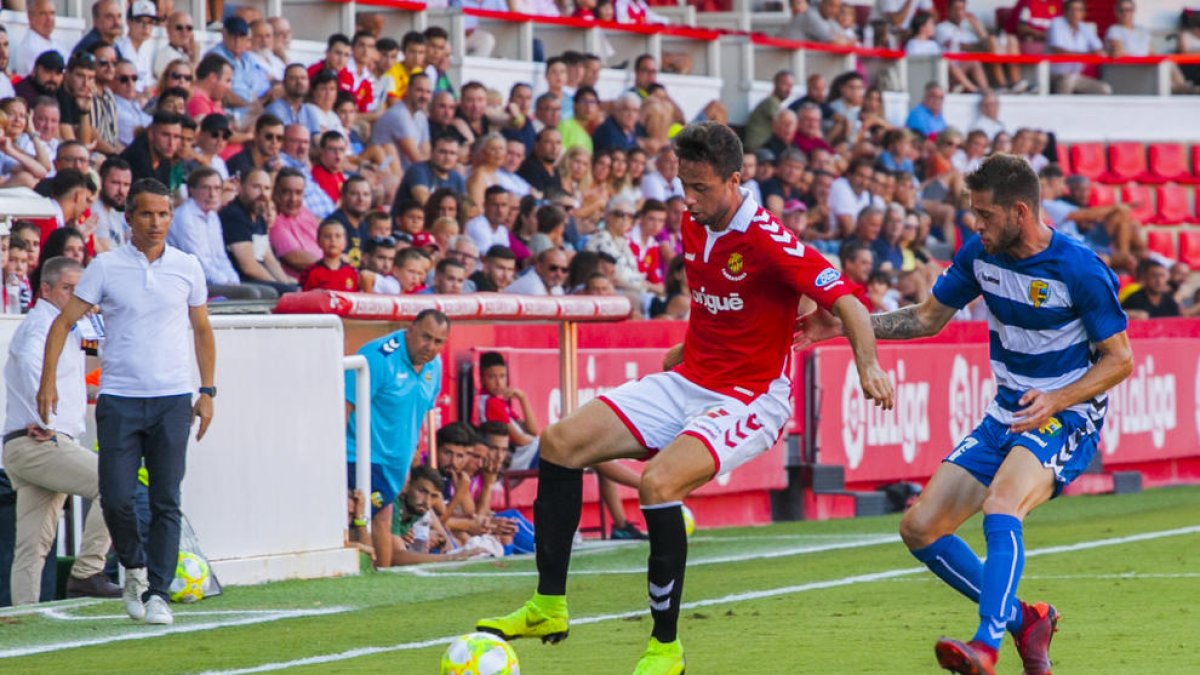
[
  {"x": 157, "y": 611},
  {"x": 135, "y": 584}
]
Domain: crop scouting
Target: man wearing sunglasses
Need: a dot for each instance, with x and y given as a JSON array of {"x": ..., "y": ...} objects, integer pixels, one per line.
[
  {"x": 181, "y": 43},
  {"x": 104, "y": 102},
  {"x": 130, "y": 116},
  {"x": 547, "y": 277}
]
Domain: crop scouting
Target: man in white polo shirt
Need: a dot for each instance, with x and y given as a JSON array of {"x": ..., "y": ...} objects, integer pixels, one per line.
[
  {"x": 46, "y": 462},
  {"x": 547, "y": 276},
  {"x": 149, "y": 293}
]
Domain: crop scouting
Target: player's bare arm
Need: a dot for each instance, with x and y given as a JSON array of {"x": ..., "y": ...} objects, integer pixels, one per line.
[
  {"x": 914, "y": 321},
  {"x": 673, "y": 357},
  {"x": 857, "y": 324},
  {"x": 47, "y": 396},
  {"x": 1114, "y": 365}
]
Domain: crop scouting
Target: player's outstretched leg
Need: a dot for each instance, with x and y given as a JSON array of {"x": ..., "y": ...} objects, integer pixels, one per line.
[
  {"x": 556, "y": 517},
  {"x": 664, "y": 581}
]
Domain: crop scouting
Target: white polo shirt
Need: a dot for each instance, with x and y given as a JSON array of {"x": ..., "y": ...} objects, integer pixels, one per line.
[
  {"x": 23, "y": 375},
  {"x": 147, "y": 348}
]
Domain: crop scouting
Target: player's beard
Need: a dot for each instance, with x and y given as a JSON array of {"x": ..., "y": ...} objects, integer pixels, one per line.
[{"x": 1008, "y": 236}]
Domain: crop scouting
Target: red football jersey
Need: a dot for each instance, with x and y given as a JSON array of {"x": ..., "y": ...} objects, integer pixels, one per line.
[
  {"x": 746, "y": 283},
  {"x": 320, "y": 277}
]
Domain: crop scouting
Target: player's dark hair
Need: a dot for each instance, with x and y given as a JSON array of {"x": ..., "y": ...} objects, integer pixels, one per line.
[
  {"x": 438, "y": 317},
  {"x": 213, "y": 64},
  {"x": 150, "y": 186},
  {"x": 66, "y": 181},
  {"x": 425, "y": 472},
  {"x": 549, "y": 217},
  {"x": 1009, "y": 178},
  {"x": 493, "y": 428},
  {"x": 490, "y": 360},
  {"x": 712, "y": 143},
  {"x": 111, "y": 164},
  {"x": 446, "y": 263},
  {"x": 199, "y": 174},
  {"x": 337, "y": 39},
  {"x": 850, "y": 250},
  {"x": 266, "y": 120},
  {"x": 500, "y": 252}
]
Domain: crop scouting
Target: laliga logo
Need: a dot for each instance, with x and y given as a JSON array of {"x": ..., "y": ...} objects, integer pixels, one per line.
[
  {"x": 1143, "y": 403},
  {"x": 717, "y": 303},
  {"x": 969, "y": 397},
  {"x": 865, "y": 425}
]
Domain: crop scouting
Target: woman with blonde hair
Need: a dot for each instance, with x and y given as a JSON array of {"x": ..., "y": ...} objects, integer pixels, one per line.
[
  {"x": 575, "y": 176},
  {"x": 487, "y": 157},
  {"x": 178, "y": 73}
]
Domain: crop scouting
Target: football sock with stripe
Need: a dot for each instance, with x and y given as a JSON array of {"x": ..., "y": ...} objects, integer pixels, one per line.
[
  {"x": 955, "y": 563},
  {"x": 556, "y": 517},
  {"x": 668, "y": 558},
  {"x": 1001, "y": 576}
]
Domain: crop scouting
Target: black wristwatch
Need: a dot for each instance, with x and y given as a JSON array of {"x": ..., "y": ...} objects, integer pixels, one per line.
[{"x": 211, "y": 391}]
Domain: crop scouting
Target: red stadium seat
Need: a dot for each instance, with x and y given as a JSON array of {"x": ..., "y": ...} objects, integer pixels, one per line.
[
  {"x": 1174, "y": 205},
  {"x": 1168, "y": 162},
  {"x": 1102, "y": 195},
  {"x": 1062, "y": 158},
  {"x": 1161, "y": 242},
  {"x": 1126, "y": 161},
  {"x": 1087, "y": 159},
  {"x": 1139, "y": 200},
  {"x": 1189, "y": 247}
]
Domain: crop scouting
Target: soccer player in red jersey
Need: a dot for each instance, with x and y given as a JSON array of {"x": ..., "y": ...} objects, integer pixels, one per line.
[{"x": 720, "y": 405}]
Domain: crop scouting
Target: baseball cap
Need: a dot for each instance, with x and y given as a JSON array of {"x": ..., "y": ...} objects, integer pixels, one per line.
[
  {"x": 51, "y": 60},
  {"x": 236, "y": 25},
  {"x": 143, "y": 8},
  {"x": 765, "y": 156},
  {"x": 214, "y": 122},
  {"x": 794, "y": 206},
  {"x": 422, "y": 239}
]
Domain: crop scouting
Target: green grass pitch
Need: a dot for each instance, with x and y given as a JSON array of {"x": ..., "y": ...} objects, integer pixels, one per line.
[{"x": 820, "y": 597}]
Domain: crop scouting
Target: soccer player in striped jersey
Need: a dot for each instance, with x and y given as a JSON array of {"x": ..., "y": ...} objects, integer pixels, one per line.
[{"x": 1058, "y": 344}]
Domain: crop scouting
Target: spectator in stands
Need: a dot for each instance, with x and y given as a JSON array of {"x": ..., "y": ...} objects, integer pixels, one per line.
[
  {"x": 17, "y": 167},
  {"x": 415, "y": 47},
  {"x": 109, "y": 208},
  {"x": 1124, "y": 38},
  {"x": 1108, "y": 230},
  {"x": 378, "y": 264},
  {"x": 405, "y": 125},
  {"x": 327, "y": 172},
  {"x": 577, "y": 129},
  {"x": 6, "y": 86},
  {"x": 293, "y": 235},
  {"x": 283, "y": 37},
  {"x": 406, "y": 378},
  {"x": 962, "y": 31},
  {"x": 758, "y": 126},
  {"x": 291, "y": 108},
  {"x": 361, "y": 68},
  {"x": 17, "y": 263},
  {"x": 538, "y": 169},
  {"x": 214, "y": 77},
  {"x": 39, "y": 38},
  {"x": 438, "y": 173},
  {"x": 501, "y": 403},
  {"x": 546, "y": 278},
  {"x": 416, "y": 530},
  {"x": 621, "y": 130},
  {"x": 181, "y": 43},
  {"x": 130, "y": 116},
  {"x": 331, "y": 272},
  {"x": 104, "y": 104},
  {"x": 857, "y": 262},
  {"x": 488, "y": 229},
  {"x": 784, "y": 127},
  {"x": 443, "y": 119},
  {"x": 849, "y": 195},
  {"x": 70, "y": 155},
  {"x": 296, "y": 143},
  {"x": 75, "y": 98},
  {"x": 613, "y": 240},
  {"x": 988, "y": 118},
  {"x": 137, "y": 45},
  {"x": 1153, "y": 300},
  {"x": 499, "y": 270},
  {"x": 966, "y": 76},
  {"x": 244, "y": 229},
  {"x": 926, "y": 117},
  {"x": 487, "y": 158},
  {"x": 107, "y": 26},
  {"x": 786, "y": 183},
  {"x": 263, "y": 151},
  {"x": 196, "y": 229},
  {"x": 898, "y": 15},
  {"x": 355, "y": 205},
  {"x": 1069, "y": 34},
  {"x": 472, "y": 109},
  {"x": 262, "y": 44},
  {"x": 816, "y": 92},
  {"x": 69, "y": 192},
  {"x": 449, "y": 278},
  {"x": 42, "y": 462},
  {"x": 45, "y": 81},
  {"x": 250, "y": 80},
  {"x": 210, "y": 142},
  {"x": 808, "y": 137},
  {"x": 509, "y": 179},
  {"x": 1030, "y": 21},
  {"x": 819, "y": 24},
  {"x": 663, "y": 182},
  {"x": 412, "y": 266},
  {"x": 152, "y": 154},
  {"x": 437, "y": 61}
]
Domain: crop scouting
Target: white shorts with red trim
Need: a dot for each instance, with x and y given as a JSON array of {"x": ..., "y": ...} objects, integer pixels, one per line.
[{"x": 661, "y": 407}]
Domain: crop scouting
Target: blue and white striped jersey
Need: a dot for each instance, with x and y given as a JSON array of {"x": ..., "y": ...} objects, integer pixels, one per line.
[{"x": 1047, "y": 312}]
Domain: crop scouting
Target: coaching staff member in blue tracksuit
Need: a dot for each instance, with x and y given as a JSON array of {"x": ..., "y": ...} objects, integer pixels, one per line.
[{"x": 149, "y": 293}]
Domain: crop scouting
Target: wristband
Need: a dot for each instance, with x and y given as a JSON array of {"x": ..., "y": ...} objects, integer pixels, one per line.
[{"x": 359, "y": 522}]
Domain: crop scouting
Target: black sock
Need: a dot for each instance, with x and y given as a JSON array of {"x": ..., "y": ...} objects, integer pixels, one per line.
[
  {"x": 555, "y": 519},
  {"x": 668, "y": 558}
]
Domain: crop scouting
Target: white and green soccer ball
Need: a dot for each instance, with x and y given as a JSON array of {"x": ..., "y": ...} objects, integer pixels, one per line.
[
  {"x": 689, "y": 521},
  {"x": 191, "y": 573},
  {"x": 480, "y": 654}
]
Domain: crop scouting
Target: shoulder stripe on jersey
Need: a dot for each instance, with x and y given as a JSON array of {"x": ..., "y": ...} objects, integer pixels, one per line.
[
  {"x": 1037, "y": 341},
  {"x": 1018, "y": 287}
]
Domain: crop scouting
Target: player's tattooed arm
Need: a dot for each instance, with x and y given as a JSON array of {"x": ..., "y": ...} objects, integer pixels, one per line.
[{"x": 914, "y": 321}]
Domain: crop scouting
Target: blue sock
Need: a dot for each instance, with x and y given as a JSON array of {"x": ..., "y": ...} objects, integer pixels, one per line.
[
  {"x": 1001, "y": 576},
  {"x": 954, "y": 562}
]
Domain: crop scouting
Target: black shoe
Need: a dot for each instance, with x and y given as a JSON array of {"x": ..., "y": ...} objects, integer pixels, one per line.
[
  {"x": 628, "y": 531},
  {"x": 95, "y": 586}
]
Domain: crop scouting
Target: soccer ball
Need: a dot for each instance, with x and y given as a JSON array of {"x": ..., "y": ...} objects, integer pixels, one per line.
[
  {"x": 480, "y": 654},
  {"x": 689, "y": 521},
  {"x": 191, "y": 573}
]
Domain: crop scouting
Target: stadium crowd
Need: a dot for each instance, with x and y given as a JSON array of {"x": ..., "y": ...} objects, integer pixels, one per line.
[{"x": 370, "y": 170}]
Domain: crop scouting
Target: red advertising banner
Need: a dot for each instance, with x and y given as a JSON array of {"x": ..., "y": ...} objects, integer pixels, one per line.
[{"x": 942, "y": 391}]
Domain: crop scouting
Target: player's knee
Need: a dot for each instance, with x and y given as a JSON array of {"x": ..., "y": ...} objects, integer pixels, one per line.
[
  {"x": 657, "y": 487},
  {"x": 1000, "y": 501},
  {"x": 916, "y": 530}
]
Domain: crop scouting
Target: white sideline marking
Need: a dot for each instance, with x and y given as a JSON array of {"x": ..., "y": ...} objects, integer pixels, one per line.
[
  {"x": 435, "y": 569},
  {"x": 1134, "y": 576},
  {"x": 726, "y": 599},
  {"x": 53, "y": 613},
  {"x": 172, "y": 630},
  {"x": 43, "y": 606}
]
